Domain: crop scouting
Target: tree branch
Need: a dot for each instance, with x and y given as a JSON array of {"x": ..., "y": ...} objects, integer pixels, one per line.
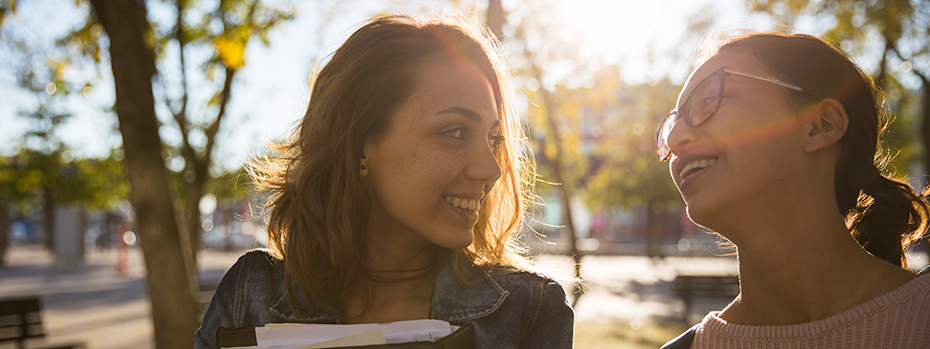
[
  {"x": 923, "y": 78},
  {"x": 187, "y": 150},
  {"x": 182, "y": 41},
  {"x": 214, "y": 127}
]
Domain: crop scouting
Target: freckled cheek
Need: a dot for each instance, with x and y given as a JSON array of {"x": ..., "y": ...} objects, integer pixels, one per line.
[
  {"x": 437, "y": 168},
  {"x": 427, "y": 169}
]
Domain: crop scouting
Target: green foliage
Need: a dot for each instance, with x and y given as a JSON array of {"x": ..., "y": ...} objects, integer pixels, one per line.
[
  {"x": 43, "y": 168},
  {"x": 631, "y": 174},
  {"x": 7, "y": 8},
  {"x": 207, "y": 41},
  {"x": 231, "y": 186},
  {"x": 97, "y": 184},
  {"x": 104, "y": 182}
]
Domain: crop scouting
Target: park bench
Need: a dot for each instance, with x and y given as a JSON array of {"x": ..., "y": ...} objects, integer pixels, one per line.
[
  {"x": 691, "y": 287},
  {"x": 21, "y": 319}
]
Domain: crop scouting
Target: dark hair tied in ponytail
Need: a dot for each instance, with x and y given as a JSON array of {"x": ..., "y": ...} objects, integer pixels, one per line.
[
  {"x": 884, "y": 214},
  {"x": 888, "y": 216}
]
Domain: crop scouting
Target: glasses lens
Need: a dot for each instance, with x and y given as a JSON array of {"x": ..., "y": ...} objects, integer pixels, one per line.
[
  {"x": 662, "y": 135},
  {"x": 704, "y": 101}
]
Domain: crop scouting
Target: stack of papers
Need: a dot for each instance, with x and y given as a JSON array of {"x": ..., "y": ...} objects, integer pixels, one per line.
[{"x": 288, "y": 336}]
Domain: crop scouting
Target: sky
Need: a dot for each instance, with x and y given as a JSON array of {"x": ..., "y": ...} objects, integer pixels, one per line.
[{"x": 271, "y": 91}]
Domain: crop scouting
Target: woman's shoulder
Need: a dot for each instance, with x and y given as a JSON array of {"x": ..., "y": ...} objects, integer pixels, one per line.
[
  {"x": 517, "y": 274},
  {"x": 257, "y": 265},
  {"x": 520, "y": 280},
  {"x": 919, "y": 289},
  {"x": 260, "y": 256},
  {"x": 546, "y": 313}
]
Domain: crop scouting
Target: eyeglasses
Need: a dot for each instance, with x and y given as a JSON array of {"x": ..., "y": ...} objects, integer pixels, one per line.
[{"x": 702, "y": 104}]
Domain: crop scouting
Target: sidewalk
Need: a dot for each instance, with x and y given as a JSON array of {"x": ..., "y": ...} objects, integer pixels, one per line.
[
  {"x": 96, "y": 305},
  {"x": 625, "y": 289},
  {"x": 92, "y": 303}
]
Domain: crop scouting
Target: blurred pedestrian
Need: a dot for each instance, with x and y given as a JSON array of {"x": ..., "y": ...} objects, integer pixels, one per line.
[
  {"x": 775, "y": 144},
  {"x": 399, "y": 197}
]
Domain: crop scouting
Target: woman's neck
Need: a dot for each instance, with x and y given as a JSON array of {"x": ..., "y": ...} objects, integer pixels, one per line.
[
  {"x": 398, "y": 284},
  {"x": 804, "y": 269},
  {"x": 391, "y": 301}
]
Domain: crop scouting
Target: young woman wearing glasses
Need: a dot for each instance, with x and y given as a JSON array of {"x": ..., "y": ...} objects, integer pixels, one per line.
[{"x": 775, "y": 145}]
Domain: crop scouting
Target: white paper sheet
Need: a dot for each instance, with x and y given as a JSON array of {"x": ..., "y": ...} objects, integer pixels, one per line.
[{"x": 281, "y": 336}]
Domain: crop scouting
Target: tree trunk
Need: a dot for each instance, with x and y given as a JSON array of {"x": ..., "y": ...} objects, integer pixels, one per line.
[
  {"x": 5, "y": 222},
  {"x": 496, "y": 18},
  {"x": 925, "y": 120},
  {"x": 83, "y": 223},
  {"x": 653, "y": 229},
  {"x": 194, "y": 230},
  {"x": 556, "y": 161},
  {"x": 170, "y": 272},
  {"x": 48, "y": 217},
  {"x": 201, "y": 166},
  {"x": 564, "y": 190},
  {"x": 925, "y": 116},
  {"x": 109, "y": 229}
]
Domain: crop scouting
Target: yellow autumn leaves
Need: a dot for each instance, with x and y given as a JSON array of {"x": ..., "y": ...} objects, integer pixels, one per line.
[{"x": 230, "y": 47}]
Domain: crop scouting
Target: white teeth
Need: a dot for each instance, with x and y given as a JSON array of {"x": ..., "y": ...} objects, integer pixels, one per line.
[
  {"x": 465, "y": 204},
  {"x": 697, "y": 164}
]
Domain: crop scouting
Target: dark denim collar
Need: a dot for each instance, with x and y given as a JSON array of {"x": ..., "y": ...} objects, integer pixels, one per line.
[
  {"x": 452, "y": 301},
  {"x": 458, "y": 303},
  {"x": 318, "y": 312}
]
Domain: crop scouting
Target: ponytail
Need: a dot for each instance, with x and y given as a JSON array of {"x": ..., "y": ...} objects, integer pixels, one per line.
[{"x": 888, "y": 217}]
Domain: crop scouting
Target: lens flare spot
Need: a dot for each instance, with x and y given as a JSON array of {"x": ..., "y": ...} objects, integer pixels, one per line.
[{"x": 87, "y": 91}]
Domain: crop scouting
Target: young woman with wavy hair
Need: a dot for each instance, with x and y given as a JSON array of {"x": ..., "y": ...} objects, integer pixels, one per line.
[
  {"x": 775, "y": 144},
  {"x": 400, "y": 196}
]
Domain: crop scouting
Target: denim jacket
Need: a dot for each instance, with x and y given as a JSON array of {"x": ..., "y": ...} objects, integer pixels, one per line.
[{"x": 508, "y": 309}]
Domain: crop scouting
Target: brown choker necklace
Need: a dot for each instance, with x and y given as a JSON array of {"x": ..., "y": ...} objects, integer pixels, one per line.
[{"x": 375, "y": 275}]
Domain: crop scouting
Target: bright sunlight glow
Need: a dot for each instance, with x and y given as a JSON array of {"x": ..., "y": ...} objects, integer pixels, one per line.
[{"x": 638, "y": 36}]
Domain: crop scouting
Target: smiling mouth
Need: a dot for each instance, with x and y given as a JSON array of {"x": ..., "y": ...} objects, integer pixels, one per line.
[
  {"x": 470, "y": 205},
  {"x": 695, "y": 166}
]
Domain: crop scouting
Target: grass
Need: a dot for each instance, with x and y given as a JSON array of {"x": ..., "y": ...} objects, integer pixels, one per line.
[{"x": 651, "y": 335}]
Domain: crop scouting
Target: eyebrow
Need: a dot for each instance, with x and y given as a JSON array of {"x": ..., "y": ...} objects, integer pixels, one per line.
[{"x": 467, "y": 113}]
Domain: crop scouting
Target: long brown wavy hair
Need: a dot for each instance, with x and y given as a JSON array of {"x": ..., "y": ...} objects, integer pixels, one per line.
[{"x": 318, "y": 207}]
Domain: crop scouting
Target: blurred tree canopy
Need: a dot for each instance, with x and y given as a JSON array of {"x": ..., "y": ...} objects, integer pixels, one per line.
[
  {"x": 96, "y": 184},
  {"x": 634, "y": 176},
  {"x": 174, "y": 50},
  {"x": 44, "y": 174},
  {"x": 606, "y": 127},
  {"x": 198, "y": 46},
  {"x": 895, "y": 33},
  {"x": 33, "y": 181}
]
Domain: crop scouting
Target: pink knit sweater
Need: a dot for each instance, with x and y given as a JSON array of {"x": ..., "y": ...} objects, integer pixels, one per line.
[{"x": 897, "y": 319}]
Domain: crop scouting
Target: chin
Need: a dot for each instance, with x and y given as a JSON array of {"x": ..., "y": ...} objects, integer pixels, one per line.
[
  {"x": 457, "y": 245},
  {"x": 458, "y": 241}
]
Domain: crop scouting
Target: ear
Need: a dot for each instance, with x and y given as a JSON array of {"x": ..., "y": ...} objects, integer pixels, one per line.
[
  {"x": 826, "y": 122},
  {"x": 363, "y": 167},
  {"x": 367, "y": 148}
]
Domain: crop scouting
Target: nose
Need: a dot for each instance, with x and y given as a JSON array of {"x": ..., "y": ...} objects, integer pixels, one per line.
[
  {"x": 680, "y": 137},
  {"x": 483, "y": 165}
]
